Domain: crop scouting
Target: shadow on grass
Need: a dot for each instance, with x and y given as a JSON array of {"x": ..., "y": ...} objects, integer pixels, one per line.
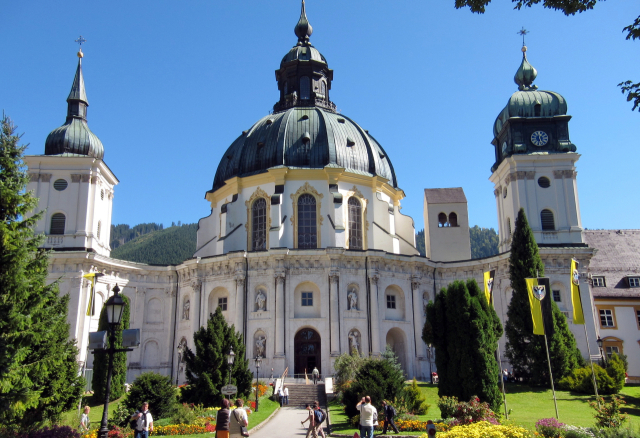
[
  {"x": 517, "y": 388},
  {"x": 633, "y": 405}
]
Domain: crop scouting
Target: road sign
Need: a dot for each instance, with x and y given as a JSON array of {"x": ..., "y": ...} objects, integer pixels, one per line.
[{"x": 229, "y": 389}]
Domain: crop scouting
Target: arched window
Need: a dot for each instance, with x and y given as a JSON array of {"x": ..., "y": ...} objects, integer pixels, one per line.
[
  {"x": 307, "y": 228},
  {"x": 536, "y": 110},
  {"x": 355, "y": 223},
  {"x": 305, "y": 88},
  {"x": 323, "y": 88},
  {"x": 57, "y": 224},
  {"x": 453, "y": 219},
  {"x": 546, "y": 217},
  {"x": 98, "y": 231},
  {"x": 259, "y": 224},
  {"x": 442, "y": 220}
]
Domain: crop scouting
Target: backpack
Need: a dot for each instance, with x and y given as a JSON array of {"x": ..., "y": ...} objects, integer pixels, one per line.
[
  {"x": 320, "y": 415},
  {"x": 392, "y": 411}
]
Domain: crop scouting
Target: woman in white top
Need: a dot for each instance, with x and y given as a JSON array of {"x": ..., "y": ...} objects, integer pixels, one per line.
[
  {"x": 238, "y": 418},
  {"x": 286, "y": 395},
  {"x": 84, "y": 420}
]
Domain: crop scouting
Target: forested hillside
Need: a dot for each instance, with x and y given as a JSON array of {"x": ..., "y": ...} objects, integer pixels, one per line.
[
  {"x": 123, "y": 233},
  {"x": 484, "y": 242},
  {"x": 169, "y": 246}
]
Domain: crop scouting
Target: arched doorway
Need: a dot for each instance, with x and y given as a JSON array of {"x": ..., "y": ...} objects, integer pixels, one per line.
[
  {"x": 396, "y": 340},
  {"x": 306, "y": 351}
]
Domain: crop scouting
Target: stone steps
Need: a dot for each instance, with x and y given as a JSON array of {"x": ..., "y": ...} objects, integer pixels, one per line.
[{"x": 300, "y": 394}]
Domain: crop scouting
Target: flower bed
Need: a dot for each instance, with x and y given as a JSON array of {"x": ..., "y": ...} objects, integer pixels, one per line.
[
  {"x": 485, "y": 429},
  {"x": 414, "y": 426}
]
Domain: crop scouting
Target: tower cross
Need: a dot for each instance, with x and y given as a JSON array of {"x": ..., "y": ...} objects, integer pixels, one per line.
[
  {"x": 80, "y": 41},
  {"x": 523, "y": 32}
]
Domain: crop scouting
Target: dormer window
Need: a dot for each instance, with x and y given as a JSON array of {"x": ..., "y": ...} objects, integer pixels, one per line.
[
  {"x": 305, "y": 88},
  {"x": 634, "y": 281},
  {"x": 598, "y": 281}
]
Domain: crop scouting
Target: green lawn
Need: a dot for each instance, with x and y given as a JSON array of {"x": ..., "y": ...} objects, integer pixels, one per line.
[{"x": 527, "y": 406}]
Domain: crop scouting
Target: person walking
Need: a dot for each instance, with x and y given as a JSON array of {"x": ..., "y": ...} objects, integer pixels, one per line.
[
  {"x": 319, "y": 417},
  {"x": 280, "y": 395},
  {"x": 367, "y": 414},
  {"x": 238, "y": 420},
  {"x": 144, "y": 422},
  {"x": 84, "y": 420},
  {"x": 311, "y": 431},
  {"x": 315, "y": 373},
  {"x": 389, "y": 415},
  {"x": 285, "y": 394},
  {"x": 223, "y": 420}
]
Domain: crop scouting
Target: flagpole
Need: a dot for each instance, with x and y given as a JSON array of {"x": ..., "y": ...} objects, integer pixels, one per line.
[
  {"x": 504, "y": 394},
  {"x": 593, "y": 372},
  {"x": 546, "y": 347}
]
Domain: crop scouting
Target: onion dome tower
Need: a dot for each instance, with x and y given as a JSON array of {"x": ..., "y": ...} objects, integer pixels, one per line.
[
  {"x": 535, "y": 164},
  {"x": 75, "y": 137},
  {"x": 72, "y": 182}
]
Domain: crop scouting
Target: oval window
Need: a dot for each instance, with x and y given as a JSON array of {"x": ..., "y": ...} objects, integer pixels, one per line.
[
  {"x": 544, "y": 182},
  {"x": 60, "y": 184}
]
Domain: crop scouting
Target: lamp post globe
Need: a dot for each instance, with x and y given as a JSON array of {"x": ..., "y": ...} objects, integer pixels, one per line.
[
  {"x": 115, "y": 306},
  {"x": 231, "y": 356}
]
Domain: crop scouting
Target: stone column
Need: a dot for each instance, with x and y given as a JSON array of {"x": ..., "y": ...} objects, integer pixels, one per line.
[
  {"x": 240, "y": 279},
  {"x": 279, "y": 352},
  {"x": 418, "y": 311},
  {"x": 375, "y": 322},
  {"x": 334, "y": 318}
]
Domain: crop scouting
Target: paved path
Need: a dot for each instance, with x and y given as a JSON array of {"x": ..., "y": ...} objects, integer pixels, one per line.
[{"x": 285, "y": 424}]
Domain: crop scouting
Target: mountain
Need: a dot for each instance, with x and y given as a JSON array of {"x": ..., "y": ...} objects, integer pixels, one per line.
[
  {"x": 484, "y": 242},
  {"x": 159, "y": 246},
  {"x": 123, "y": 233}
]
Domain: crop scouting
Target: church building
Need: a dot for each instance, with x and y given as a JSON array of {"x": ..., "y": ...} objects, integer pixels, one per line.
[{"x": 306, "y": 250}]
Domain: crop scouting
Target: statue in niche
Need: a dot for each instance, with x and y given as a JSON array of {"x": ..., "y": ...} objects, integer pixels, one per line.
[
  {"x": 185, "y": 310},
  {"x": 352, "y": 296},
  {"x": 354, "y": 343},
  {"x": 261, "y": 300},
  {"x": 260, "y": 343},
  {"x": 425, "y": 301}
]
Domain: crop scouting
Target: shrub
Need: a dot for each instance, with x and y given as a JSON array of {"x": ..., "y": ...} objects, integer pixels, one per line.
[
  {"x": 155, "y": 389},
  {"x": 55, "y": 432},
  {"x": 550, "y": 428},
  {"x": 616, "y": 433},
  {"x": 447, "y": 406},
  {"x": 474, "y": 411},
  {"x": 346, "y": 366},
  {"x": 616, "y": 370},
  {"x": 485, "y": 429},
  {"x": 608, "y": 413},
  {"x": 414, "y": 400},
  {"x": 120, "y": 416},
  {"x": 183, "y": 414},
  {"x": 577, "y": 432},
  {"x": 581, "y": 380}
]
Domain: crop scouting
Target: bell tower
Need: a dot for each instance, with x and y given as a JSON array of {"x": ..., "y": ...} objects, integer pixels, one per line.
[
  {"x": 535, "y": 165},
  {"x": 72, "y": 182}
]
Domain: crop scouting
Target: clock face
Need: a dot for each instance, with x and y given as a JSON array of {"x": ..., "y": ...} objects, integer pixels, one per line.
[
  {"x": 539, "y": 138},
  {"x": 504, "y": 148}
]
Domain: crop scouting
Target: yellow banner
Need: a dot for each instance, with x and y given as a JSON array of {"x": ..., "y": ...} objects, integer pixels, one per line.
[
  {"x": 488, "y": 286},
  {"x": 91, "y": 307},
  {"x": 536, "y": 308},
  {"x": 576, "y": 300}
]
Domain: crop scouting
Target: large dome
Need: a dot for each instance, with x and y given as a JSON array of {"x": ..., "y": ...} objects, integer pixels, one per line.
[{"x": 304, "y": 137}]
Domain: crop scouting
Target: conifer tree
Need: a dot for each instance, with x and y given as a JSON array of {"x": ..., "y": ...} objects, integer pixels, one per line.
[
  {"x": 526, "y": 351},
  {"x": 207, "y": 370},
  {"x": 465, "y": 330},
  {"x": 38, "y": 369},
  {"x": 101, "y": 361}
]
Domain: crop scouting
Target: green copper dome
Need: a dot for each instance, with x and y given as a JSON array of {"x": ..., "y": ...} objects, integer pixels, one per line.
[
  {"x": 528, "y": 101},
  {"x": 75, "y": 137}
]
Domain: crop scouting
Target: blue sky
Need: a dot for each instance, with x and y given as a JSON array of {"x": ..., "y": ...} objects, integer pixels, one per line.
[{"x": 172, "y": 84}]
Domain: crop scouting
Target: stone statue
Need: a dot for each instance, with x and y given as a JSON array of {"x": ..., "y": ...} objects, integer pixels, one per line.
[
  {"x": 260, "y": 342},
  {"x": 353, "y": 341},
  {"x": 185, "y": 310},
  {"x": 261, "y": 300},
  {"x": 353, "y": 299}
]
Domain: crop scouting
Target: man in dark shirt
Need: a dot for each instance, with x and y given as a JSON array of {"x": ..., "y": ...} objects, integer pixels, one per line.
[{"x": 389, "y": 414}]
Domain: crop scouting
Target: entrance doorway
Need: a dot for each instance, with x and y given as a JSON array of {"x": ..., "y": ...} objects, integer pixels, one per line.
[{"x": 306, "y": 347}]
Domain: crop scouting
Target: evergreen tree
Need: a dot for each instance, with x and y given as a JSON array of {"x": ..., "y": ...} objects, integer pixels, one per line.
[
  {"x": 526, "y": 351},
  {"x": 38, "y": 369},
  {"x": 465, "y": 330},
  {"x": 101, "y": 359},
  {"x": 484, "y": 242},
  {"x": 207, "y": 370}
]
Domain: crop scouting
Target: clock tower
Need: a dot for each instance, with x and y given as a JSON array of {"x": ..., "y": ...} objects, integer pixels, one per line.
[{"x": 535, "y": 164}]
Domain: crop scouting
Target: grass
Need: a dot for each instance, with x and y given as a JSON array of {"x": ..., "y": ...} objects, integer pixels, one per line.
[{"x": 527, "y": 405}]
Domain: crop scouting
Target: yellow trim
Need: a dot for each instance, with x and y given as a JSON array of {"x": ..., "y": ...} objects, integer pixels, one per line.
[
  {"x": 258, "y": 194},
  {"x": 613, "y": 314},
  {"x": 304, "y": 189},
  {"x": 611, "y": 341},
  {"x": 355, "y": 193},
  {"x": 280, "y": 175}
]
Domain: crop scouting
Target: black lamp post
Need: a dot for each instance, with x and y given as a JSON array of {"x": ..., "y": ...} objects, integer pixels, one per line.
[
  {"x": 429, "y": 357},
  {"x": 602, "y": 356},
  {"x": 258, "y": 363},
  {"x": 115, "y": 306},
  {"x": 230, "y": 358}
]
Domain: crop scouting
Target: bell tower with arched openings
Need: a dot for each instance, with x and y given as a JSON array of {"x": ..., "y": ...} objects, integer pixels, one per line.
[{"x": 535, "y": 165}]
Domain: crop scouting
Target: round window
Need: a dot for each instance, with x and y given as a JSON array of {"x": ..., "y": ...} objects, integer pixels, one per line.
[
  {"x": 504, "y": 192},
  {"x": 60, "y": 184},
  {"x": 544, "y": 182}
]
